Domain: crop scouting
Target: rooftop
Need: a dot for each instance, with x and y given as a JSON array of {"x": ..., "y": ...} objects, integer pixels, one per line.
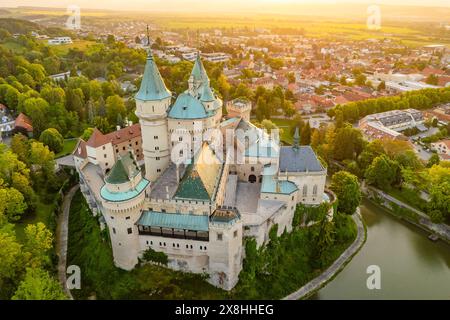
[
  {"x": 123, "y": 170},
  {"x": 300, "y": 159},
  {"x": 174, "y": 220}
]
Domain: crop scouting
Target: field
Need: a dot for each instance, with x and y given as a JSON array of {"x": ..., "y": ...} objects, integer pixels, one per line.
[{"x": 63, "y": 49}]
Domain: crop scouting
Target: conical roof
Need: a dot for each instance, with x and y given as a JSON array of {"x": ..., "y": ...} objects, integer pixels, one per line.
[
  {"x": 207, "y": 94},
  {"x": 123, "y": 170},
  {"x": 152, "y": 85},
  {"x": 198, "y": 71}
]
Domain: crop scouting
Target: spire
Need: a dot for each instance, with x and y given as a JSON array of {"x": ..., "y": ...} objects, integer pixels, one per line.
[
  {"x": 198, "y": 71},
  {"x": 296, "y": 138},
  {"x": 152, "y": 85},
  {"x": 149, "y": 50}
]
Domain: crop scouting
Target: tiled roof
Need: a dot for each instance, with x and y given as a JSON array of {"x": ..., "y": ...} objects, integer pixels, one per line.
[
  {"x": 80, "y": 150},
  {"x": 152, "y": 85},
  {"x": 123, "y": 170},
  {"x": 124, "y": 134},
  {"x": 23, "y": 121},
  {"x": 187, "y": 107},
  {"x": 200, "y": 178},
  {"x": 301, "y": 159},
  {"x": 97, "y": 139},
  {"x": 174, "y": 220}
]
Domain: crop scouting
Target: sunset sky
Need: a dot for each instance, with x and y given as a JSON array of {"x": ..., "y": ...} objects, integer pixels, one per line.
[{"x": 193, "y": 5}]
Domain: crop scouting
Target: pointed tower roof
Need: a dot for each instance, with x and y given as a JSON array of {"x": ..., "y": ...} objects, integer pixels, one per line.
[
  {"x": 296, "y": 138},
  {"x": 152, "y": 85},
  {"x": 207, "y": 94},
  {"x": 198, "y": 71},
  {"x": 123, "y": 170}
]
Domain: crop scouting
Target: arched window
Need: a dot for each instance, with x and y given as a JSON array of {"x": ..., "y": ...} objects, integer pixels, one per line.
[
  {"x": 305, "y": 190},
  {"x": 315, "y": 190}
]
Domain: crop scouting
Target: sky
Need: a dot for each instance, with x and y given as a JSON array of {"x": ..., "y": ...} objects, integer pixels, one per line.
[{"x": 192, "y": 5}]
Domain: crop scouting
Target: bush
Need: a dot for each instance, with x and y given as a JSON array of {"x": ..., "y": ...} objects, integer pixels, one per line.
[
  {"x": 154, "y": 256},
  {"x": 436, "y": 216}
]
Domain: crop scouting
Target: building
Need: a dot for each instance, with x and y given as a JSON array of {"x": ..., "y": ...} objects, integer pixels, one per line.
[
  {"x": 390, "y": 124},
  {"x": 442, "y": 147},
  {"x": 239, "y": 108},
  {"x": 216, "y": 57},
  {"x": 196, "y": 193},
  {"x": 60, "y": 40}
]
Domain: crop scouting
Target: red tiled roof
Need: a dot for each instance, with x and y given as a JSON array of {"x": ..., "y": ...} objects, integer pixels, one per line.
[
  {"x": 22, "y": 121},
  {"x": 80, "y": 150},
  {"x": 97, "y": 139},
  {"x": 124, "y": 134}
]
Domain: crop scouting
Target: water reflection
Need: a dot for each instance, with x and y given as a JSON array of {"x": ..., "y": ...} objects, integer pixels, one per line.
[{"x": 412, "y": 267}]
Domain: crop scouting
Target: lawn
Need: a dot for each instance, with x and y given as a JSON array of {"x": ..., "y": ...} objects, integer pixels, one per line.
[
  {"x": 14, "y": 47},
  {"x": 63, "y": 49},
  {"x": 69, "y": 146},
  {"x": 285, "y": 125}
]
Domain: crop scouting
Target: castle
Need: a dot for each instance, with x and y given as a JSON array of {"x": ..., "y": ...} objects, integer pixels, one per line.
[{"x": 191, "y": 183}]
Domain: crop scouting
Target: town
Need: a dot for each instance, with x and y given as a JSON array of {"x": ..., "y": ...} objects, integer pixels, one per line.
[{"x": 221, "y": 160}]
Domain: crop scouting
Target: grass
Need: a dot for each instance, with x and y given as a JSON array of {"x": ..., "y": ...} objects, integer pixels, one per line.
[
  {"x": 409, "y": 197},
  {"x": 69, "y": 146},
  {"x": 285, "y": 125},
  {"x": 63, "y": 49},
  {"x": 43, "y": 213},
  {"x": 14, "y": 47}
]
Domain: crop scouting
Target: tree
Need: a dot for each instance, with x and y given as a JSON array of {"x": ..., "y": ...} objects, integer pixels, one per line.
[
  {"x": 305, "y": 134},
  {"x": 347, "y": 189},
  {"x": 20, "y": 146},
  {"x": 114, "y": 107},
  {"x": 10, "y": 258},
  {"x": 87, "y": 134},
  {"x": 12, "y": 203},
  {"x": 381, "y": 86},
  {"x": 38, "y": 242},
  {"x": 348, "y": 143},
  {"x": 38, "y": 285},
  {"x": 382, "y": 172},
  {"x": 53, "y": 139},
  {"x": 434, "y": 159}
]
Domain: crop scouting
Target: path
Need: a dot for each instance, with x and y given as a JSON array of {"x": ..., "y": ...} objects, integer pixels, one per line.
[
  {"x": 337, "y": 265},
  {"x": 62, "y": 235},
  {"x": 440, "y": 228}
]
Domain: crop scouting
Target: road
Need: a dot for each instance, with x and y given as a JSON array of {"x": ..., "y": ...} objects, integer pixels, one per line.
[{"x": 62, "y": 236}]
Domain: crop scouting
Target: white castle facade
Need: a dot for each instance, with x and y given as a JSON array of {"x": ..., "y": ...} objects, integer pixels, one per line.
[{"x": 184, "y": 187}]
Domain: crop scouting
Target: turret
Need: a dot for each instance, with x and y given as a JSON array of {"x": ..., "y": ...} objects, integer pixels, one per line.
[
  {"x": 152, "y": 102},
  {"x": 123, "y": 195}
]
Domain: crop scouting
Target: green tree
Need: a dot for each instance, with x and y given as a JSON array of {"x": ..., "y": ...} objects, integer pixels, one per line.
[
  {"x": 114, "y": 107},
  {"x": 434, "y": 159},
  {"x": 39, "y": 240},
  {"x": 382, "y": 172},
  {"x": 38, "y": 285},
  {"x": 12, "y": 203},
  {"x": 347, "y": 189},
  {"x": 53, "y": 139}
]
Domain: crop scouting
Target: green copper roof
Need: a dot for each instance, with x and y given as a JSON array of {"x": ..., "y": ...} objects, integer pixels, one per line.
[
  {"x": 123, "y": 170},
  {"x": 152, "y": 85},
  {"x": 270, "y": 184},
  {"x": 201, "y": 177},
  {"x": 174, "y": 220},
  {"x": 187, "y": 107},
  {"x": 207, "y": 94},
  {"x": 198, "y": 71},
  {"x": 123, "y": 196}
]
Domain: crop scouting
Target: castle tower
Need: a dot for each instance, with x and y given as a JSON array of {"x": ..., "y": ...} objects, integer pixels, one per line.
[
  {"x": 198, "y": 78},
  {"x": 123, "y": 196},
  {"x": 152, "y": 102},
  {"x": 225, "y": 247}
]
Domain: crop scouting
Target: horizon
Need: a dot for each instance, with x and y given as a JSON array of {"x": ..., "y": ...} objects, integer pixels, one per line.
[{"x": 232, "y": 6}]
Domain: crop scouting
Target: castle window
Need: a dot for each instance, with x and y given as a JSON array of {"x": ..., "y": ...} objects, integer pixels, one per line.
[
  {"x": 315, "y": 190},
  {"x": 151, "y": 242},
  {"x": 136, "y": 143},
  {"x": 146, "y": 242},
  {"x": 127, "y": 218},
  {"x": 178, "y": 245},
  {"x": 191, "y": 246},
  {"x": 104, "y": 156},
  {"x": 106, "y": 164},
  {"x": 305, "y": 190},
  {"x": 173, "y": 245},
  {"x": 103, "y": 147},
  {"x": 252, "y": 169},
  {"x": 123, "y": 148},
  {"x": 187, "y": 246},
  {"x": 155, "y": 137},
  {"x": 180, "y": 139},
  {"x": 235, "y": 233},
  {"x": 205, "y": 248},
  {"x": 112, "y": 218},
  {"x": 201, "y": 247},
  {"x": 114, "y": 230},
  {"x": 158, "y": 170},
  {"x": 130, "y": 231},
  {"x": 219, "y": 237},
  {"x": 164, "y": 244},
  {"x": 117, "y": 150},
  {"x": 157, "y": 158}
]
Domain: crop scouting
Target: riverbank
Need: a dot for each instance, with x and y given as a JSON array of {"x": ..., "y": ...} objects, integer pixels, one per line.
[
  {"x": 329, "y": 274},
  {"x": 407, "y": 213}
]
